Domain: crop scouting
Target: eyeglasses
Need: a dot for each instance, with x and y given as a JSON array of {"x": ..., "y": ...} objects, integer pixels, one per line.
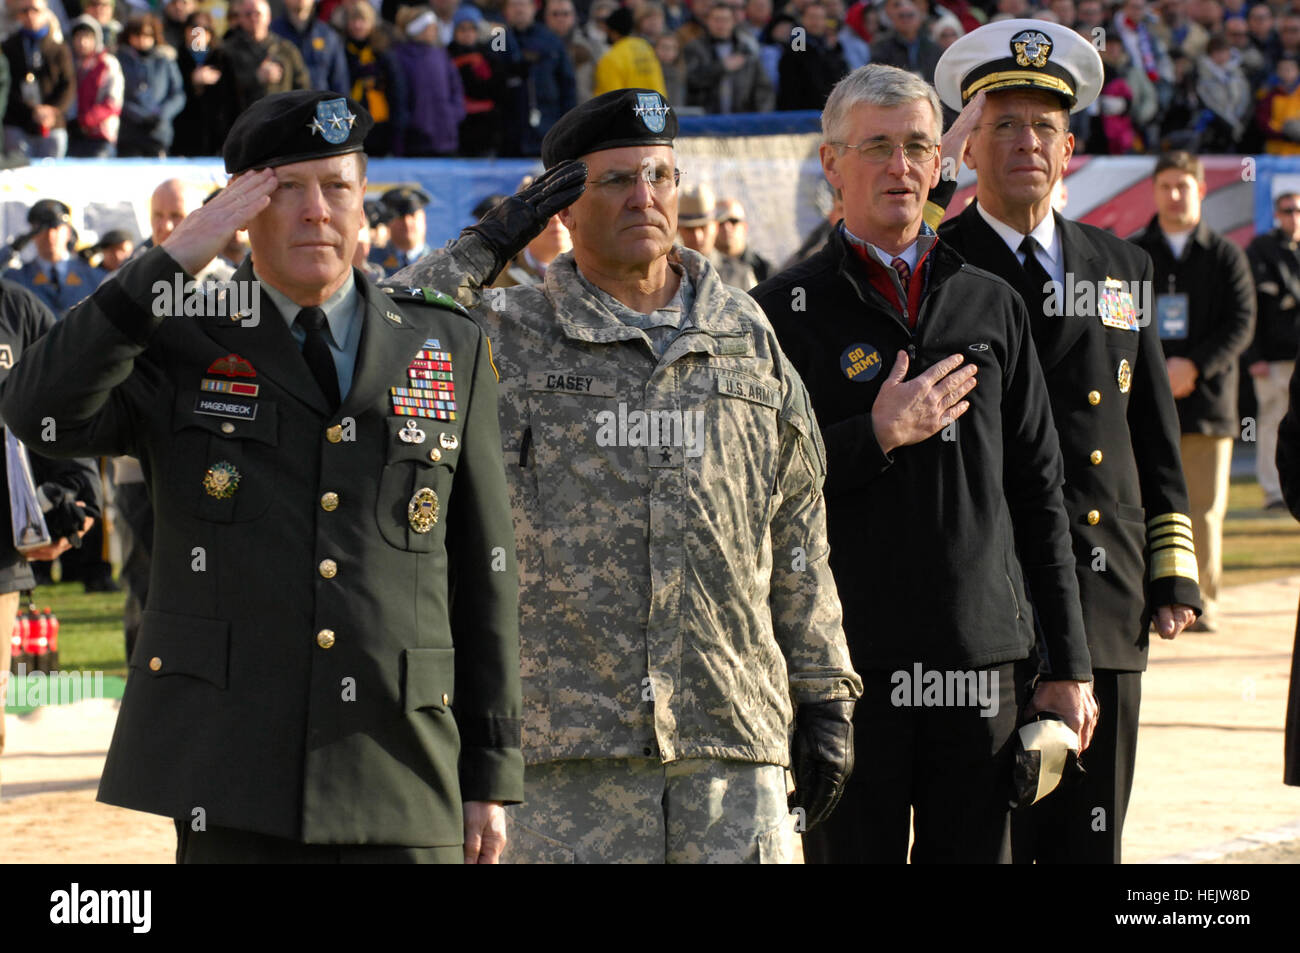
[
  {"x": 661, "y": 179},
  {"x": 882, "y": 150},
  {"x": 1008, "y": 130}
]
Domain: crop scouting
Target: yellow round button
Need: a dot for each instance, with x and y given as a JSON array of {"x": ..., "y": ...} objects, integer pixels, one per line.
[
  {"x": 155, "y": 664},
  {"x": 1094, "y": 397},
  {"x": 227, "y": 427},
  {"x": 1094, "y": 517},
  {"x": 325, "y": 638},
  {"x": 334, "y": 434},
  {"x": 435, "y": 454},
  {"x": 329, "y": 502},
  {"x": 444, "y": 698},
  {"x": 1095, "y": 457},
  {"x": 329, "y": 568}
]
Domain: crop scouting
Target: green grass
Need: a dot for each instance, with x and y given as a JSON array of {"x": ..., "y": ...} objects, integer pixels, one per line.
[{"x": 90, "y": 627}]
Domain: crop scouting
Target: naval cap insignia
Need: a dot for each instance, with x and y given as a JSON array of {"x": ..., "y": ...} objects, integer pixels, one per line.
[{"x": 1031, "y": 48}]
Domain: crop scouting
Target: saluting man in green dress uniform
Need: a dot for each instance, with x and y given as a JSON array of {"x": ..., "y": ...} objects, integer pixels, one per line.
[{"x": 328, "y": 669}]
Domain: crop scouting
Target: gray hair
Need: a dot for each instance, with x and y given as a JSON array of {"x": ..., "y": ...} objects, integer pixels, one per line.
[{"x": 876, "y": 85}]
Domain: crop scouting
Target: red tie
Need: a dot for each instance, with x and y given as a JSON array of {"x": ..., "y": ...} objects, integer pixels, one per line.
[{"x": 904, "y": 274}]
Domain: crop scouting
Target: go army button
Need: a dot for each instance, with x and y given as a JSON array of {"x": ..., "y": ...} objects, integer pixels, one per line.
[
  {"x": 325, "y": 638},
  {"x": 155, "y": 664},
  {"x": 329, "y": 502},
  {"x": 422, "y": 511},
  {"x": 334, "y": 434},
  {"x": 1095, "y": 457},
  {"x": 1094, "y": 397},
  {"x": 328, "y": 568},
  {"x": 1094, "y": 517}
]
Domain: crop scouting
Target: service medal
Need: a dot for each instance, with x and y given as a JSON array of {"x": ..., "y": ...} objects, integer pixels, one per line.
[
  {"x": 422, "y": 511},
  {"x": 1124, "y": 376},
  {"x": 221, "y": 480}
]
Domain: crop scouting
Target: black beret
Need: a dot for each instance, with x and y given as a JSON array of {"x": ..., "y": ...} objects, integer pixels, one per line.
[
  {"x": 620, "y": 21},
  {"x": 377, "y": 213},
  {"x": 404, "y": 200},
  {"x": 295, "y": 127},
  {"x": 624, "y": 117},
  {"x": 49, "y": 213}
]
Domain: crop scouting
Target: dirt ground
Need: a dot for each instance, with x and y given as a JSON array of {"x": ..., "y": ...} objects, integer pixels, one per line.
[{"x": 1208, "y": 786}]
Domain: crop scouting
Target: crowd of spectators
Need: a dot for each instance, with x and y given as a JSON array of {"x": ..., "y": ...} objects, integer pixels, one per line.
[{"x": 462, "y": 78}]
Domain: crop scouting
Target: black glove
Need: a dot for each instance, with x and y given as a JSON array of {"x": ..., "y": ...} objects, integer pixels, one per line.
[
  {"x": 516, "y": 221},
  {"x": 64, "y": 518},
  {"x": 822, "y": 757}
]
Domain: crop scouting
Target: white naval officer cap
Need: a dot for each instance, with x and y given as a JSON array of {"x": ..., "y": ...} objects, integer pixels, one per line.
[{"x": 1020, "y": 54}]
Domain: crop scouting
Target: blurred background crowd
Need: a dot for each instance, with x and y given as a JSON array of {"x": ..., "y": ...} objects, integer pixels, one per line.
[{"x": 458, "y": 78}]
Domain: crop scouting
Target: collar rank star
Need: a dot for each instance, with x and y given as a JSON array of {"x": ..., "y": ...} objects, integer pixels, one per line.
[
  {"x": 432, "y": 390},
  {"x": 221, "y": 480},
  {"x": 422, "y": 511},
  {"x": 333, "y": 121}
]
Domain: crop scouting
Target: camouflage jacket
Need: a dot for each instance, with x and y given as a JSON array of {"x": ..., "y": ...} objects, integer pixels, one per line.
[{"x": 675, "y": 595}]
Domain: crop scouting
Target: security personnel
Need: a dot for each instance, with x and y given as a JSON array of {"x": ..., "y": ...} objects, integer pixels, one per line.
[
  {"x": 332, "y": 614},
  {"x": 680, "y": 627},
  {"x": 406, "y": 229},
  {"x": 56, "y": 276},
  {"x": 1101, "y": 356}
]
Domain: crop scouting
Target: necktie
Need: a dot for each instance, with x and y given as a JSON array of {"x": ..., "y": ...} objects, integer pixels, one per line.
[
  {"x": 316, "y": 352},
  {"x": 904, "y": 274},
  {"x": 54, "y": 278},
  {"x": 1037, "y": 279}
]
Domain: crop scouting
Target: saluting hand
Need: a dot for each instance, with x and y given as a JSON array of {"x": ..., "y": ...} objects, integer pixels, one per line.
[
  {"x": 954, "y": 140},
  {"x": 485, "y": 831},
  {"x": 205, "y": 231},
  {"x": 908, "y": 412}
]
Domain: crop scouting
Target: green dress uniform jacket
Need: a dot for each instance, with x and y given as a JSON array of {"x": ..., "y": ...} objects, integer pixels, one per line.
[
  {"x": 310, "y": 666},
  {"x": 676, "y": 596},
  {"x": 1124, "y": 489}
]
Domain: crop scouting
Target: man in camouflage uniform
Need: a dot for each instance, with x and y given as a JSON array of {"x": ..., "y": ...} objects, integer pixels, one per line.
[{"x": 665, "y": 469}]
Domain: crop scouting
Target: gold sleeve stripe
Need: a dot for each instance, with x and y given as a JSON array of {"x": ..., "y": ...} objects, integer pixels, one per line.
[
  {"x": 1164, "y": 518},
  {"x": 1174, "y": 543},
  {"x": 1174, "y": 562},
  {"x": 1171, "y": 529},
  {"x": 933, "y": 214}
]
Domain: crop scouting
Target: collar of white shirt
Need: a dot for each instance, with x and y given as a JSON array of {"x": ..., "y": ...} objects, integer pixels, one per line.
[{"x": 1048, "y": 238}]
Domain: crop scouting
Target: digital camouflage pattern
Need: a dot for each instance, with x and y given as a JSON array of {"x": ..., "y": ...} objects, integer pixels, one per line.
[
  {"x": 636, "y": 810},
  {"x": 675, "y": 599}
]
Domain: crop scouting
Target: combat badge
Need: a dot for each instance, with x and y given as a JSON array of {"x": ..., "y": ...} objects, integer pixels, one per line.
[
  {"x": 411, "y": 433},
  {"x": 422, "y": 511},
  {"x": 1124, "y": 376},
  {"x": 221, "y": 480},
  {"x": 448, "y": 441},
  {"x": 232, "y": 365}
]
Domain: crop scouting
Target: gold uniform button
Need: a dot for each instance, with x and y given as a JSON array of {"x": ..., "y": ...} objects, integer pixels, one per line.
[
  {"x": 1094, "y": 517},
  {"x": 329, "y": 568},
  {"x": 1094, "y": 397},
  {"x": 435, "y": 454},
  {"x": 444, "y": 699},
  {"x": 329, "y": 502},
  {"x": 325, "y": 638},
  {"x": 227, "y": 427},
  {"x": 334, "y": 434},
  {"x": 155, "y": 664},
  {"x": 1095, "y": 457}
]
